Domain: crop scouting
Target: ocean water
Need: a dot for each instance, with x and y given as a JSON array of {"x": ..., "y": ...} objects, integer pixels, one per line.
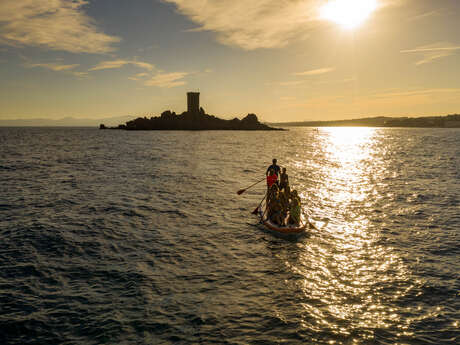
[{"x": 115, "y": 237}]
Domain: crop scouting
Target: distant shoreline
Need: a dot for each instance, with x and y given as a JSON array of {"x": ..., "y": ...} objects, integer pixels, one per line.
[{"x": 447, "y": 121}]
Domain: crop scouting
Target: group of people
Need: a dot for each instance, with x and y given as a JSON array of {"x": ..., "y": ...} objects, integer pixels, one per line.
[{"x": 283, "y": 205}]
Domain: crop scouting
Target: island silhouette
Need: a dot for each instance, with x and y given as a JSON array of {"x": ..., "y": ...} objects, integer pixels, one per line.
[{"x": 195, "y": 118}]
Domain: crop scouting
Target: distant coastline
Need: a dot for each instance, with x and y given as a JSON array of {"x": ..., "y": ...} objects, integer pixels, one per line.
[
  {"x": 447, "y": 121},
  {"x": 65, "y": 122}
]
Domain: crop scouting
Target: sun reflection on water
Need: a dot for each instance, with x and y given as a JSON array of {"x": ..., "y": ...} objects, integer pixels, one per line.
[{"x": 346, "y": 272}]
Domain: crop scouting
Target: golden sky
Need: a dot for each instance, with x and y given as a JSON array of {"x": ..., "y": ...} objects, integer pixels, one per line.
[{"x": 288, "y": 60}]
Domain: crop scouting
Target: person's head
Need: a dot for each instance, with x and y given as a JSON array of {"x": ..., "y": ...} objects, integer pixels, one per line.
[
  {"x": 284, "y": 170},
  {"x": 294, "y": 194},
  {"x": 287, "y": 190},
  {"x": 274, "y": 161}
]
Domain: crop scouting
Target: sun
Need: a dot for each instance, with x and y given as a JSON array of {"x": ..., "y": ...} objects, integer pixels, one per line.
[{"x": 348, "y": 13}]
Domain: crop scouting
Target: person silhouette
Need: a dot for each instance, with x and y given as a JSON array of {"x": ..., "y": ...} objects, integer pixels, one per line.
[{"x": 275, "y": 167}]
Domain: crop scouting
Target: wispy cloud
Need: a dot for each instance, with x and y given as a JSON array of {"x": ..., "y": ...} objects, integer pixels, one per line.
[
  {"x": 252, "y": 24},
  {"x": 53, "y": 66},
  {"x": 317, "y": 71},
  {"x": 257, "y": 24},
  {"x": 120, "y": 63},
  {"x": 433, "y": 51},
  {"x": 291, "y": 83},
  {"x": 55, "y": 25},
  {"x": 339, "y": 81},
  {"x": 80, "y": 75},
  {"x": 420, "y": 101},
  {"x": 426, "y": 15},
  {"x": 389, "y": 102},
  {"x": 167, "y": 80},
  {"x": 414, "y": 93},
  {"x": 138, "y": 76}
]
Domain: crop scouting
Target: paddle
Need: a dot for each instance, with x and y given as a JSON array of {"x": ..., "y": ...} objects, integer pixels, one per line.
[
  {"x": 257, "y": 208},
  {"x": 241, "y": 191},
  {"x": 312, "y": 225}
]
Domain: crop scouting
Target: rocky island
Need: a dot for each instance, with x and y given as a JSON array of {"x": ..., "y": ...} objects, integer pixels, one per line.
[{"x": 194, "y": 118}]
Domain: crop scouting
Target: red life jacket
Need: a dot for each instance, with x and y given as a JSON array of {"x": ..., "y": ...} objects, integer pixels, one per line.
[{"x": 271, "y": 179}]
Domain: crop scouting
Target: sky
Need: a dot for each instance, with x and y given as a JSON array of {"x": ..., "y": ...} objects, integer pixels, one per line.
[{"x": 284, "y": 60}]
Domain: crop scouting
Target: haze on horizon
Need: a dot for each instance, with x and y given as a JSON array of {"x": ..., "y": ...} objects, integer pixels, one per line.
[{"x": 284, "y": 61}]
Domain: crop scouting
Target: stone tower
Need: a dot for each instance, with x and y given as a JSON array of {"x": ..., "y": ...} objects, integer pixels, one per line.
[{"x": 193, "y": 102}]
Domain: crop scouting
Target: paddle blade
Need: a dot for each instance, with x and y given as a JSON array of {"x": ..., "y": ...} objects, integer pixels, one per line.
[
  {"x": 312, "y": 225},
  {"x": 241, "y": 191},
  {"x": 256, "y": 210}
]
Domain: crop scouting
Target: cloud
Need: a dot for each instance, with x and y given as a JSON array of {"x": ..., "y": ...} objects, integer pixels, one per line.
[
  {"x": 409, "y": 100},
  {"x": 52, "y": 24},
  {"x": 53, "y": 66},
  {"x": 138, "y": 76},
  {"x": 433, "y": 51},
  {"x": 80, "y": 75},
  {"x": 339, "y": 81},
  {"x": 389, "y": 103},
  {"x": 252, "y": 24},
  {"x": 415, "y": 93},
  {"x": 315, "y": 71},
  {"x": 167, "y": 80},
  {"x": 120, "y": 63},
  {"x": 291, "y": 82},
  {"x": 426, "y": 15}
]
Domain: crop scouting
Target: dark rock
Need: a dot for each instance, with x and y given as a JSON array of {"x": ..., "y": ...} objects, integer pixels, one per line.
[{"x": 194, "y": 121}]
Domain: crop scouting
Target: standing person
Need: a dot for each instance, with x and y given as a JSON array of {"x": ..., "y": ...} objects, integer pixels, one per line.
[
  {"x": 275, "y": 167},
  {"x": 284, "y": 180}
]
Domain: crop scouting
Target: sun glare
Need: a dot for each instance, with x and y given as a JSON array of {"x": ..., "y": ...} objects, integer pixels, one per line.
[{"x": 348, "y": 13}]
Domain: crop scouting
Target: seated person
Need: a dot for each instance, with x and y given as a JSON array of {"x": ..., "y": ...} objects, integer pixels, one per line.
[
  {"x": 275, "y": 209},
  {"x": 284, "y": 200},
  {"x": 295, "y": 209},
  {"x": 272, "y": 192},
  {"x": 295, "y": 195}
]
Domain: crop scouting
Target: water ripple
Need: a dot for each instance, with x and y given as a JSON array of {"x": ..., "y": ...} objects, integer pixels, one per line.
[{"x": 139, "y": 238}]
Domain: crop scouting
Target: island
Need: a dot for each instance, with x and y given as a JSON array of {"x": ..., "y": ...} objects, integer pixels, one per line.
[
  {"x": 448, "y": 121},
  {"x": 195, "y": 118}
]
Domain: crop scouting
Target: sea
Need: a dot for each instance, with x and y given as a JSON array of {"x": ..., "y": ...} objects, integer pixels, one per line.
[{"x": 140, "y": 237}]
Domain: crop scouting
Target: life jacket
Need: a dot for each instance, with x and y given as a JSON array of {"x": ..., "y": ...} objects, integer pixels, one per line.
[{"x": 271, "y": 179}]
